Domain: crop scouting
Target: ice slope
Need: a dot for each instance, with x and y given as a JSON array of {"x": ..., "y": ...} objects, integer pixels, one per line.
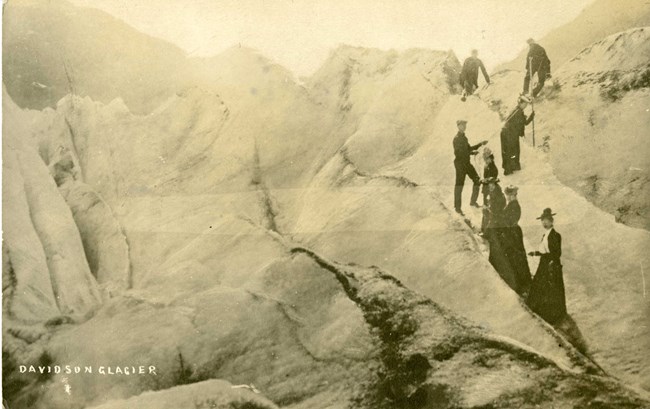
[
  {"x": 46, "y": 277},
  {"x": 604, "y": 261},
  {"x": 212, "y": 394},
  {"x": 265, "y": 222},
  {"x": 357, "y": 210},
  {"x": 593, "y": 120}
]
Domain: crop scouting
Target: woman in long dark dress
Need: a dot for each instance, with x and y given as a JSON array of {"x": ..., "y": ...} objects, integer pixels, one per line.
[
  {"x": 513, "y": 242},
  {"x": 546, "y": 297},
  {"x": 496, "y": 203}
]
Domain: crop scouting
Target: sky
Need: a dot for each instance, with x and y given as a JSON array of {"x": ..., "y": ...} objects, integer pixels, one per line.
[{"x": 299, "y": 34}]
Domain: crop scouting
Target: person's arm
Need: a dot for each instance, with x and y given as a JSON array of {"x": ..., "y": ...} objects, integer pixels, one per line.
[
  {"x": 485, "y": 74},
  {"x": 478, "y": 145},
  {"x": 530, "y": 118}
]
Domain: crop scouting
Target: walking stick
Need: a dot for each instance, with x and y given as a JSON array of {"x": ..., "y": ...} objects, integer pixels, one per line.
[{"x": 532, "y": 99}]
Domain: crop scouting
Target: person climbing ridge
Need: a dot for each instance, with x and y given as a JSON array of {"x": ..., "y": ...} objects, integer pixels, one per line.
[
  {"x": 462, "y": 152},
  {"x": 514, "y": 128},
  {"x": 537, "y": 62},
  {"x": 469, "y": 74}
]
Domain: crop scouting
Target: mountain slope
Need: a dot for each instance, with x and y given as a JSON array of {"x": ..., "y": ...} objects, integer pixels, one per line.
[
  {"x": 593, "y": 121},
  {"x": 51, "y": 49},
  {"x": 597, "y": 21}
]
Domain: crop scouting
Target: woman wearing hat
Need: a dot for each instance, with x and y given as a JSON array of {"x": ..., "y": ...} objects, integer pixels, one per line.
[
  {"x": 546, "y": 296},
  {"x": 514, "y": 241},
  {"x": 490, "y": 170},
  {"x": 495, "y": 232}
]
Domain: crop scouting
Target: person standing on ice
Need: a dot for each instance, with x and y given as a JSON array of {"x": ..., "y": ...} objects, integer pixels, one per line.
[
  {"x": 462, "y": 152},
  {"x": 513, "y": 242},
  {"x": 469, "y": 74},
  {"x": 537, "y": 62},
  {"x": 490, "y": 170},
  {"x": 514, "y": 128},
  {"x": 495, "y": 233},
  {"x": 546, "y": 297}
]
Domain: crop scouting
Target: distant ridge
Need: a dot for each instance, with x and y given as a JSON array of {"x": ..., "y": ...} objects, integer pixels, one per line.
[{"x": 597, "y": 21}]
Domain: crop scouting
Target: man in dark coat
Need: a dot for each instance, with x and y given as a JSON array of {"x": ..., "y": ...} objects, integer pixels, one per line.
[
  {"x": 469, "y": 74},
  {"x": 462, "y": 152},
  {"x": 512, "y": 130},
  {"x": 536, "y": 62}
]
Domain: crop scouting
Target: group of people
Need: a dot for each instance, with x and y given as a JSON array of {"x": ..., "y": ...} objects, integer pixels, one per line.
[
  {"x": 544, "y": 292},
  {"x": 537, "y": 62}
]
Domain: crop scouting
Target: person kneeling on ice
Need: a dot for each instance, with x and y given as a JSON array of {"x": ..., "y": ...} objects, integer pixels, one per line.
[
  {"x": 513, "y": 129},
  {"x": 469, "y": 75},
  {"x": 513, "y": 242},
  {"x": 546, "y": 297},
  {"x": 462, "y": 152}
]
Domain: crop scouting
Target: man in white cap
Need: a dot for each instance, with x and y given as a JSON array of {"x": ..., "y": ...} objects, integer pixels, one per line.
[
  {"x": 462, "y": 152},
  {"x": 536, "y": 62},
  {"x": 512, "y": 130}
]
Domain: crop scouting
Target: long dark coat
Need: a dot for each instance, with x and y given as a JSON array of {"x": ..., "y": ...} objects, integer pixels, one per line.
[
  {"x": 513, "y": 129},
  {"x": 469, "y": 74},
  {"x": 513, "y": 243},
  {"x": 546, "y": 297},
  {"x": 495, "y": 235}
]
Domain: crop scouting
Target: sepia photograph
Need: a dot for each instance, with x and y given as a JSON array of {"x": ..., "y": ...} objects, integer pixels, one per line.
[{"x": 325, "y": 204}]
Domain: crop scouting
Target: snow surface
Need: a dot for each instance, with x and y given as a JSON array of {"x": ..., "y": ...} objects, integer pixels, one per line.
[{"x": 208, "y": 196}]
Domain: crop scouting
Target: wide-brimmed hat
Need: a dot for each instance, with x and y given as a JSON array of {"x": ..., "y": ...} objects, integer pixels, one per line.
[
  {"x": 546, "y": 214},
  {"x": 461, "y": 121},
  {"x": 487, "y": 152},
  {"x": 511, "y": 190}
]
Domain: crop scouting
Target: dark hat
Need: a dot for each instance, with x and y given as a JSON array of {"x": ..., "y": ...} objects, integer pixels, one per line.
[
  {"x": 530, "y": 41},
  {"x": 461, "y": 121},
  {"x": 509, "y": 190},
  {"x": 546, "y": 214}
]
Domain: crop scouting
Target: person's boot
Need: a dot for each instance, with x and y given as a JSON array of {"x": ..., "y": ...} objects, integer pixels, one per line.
[
  {"x": 460, "y": 212},
  {"x": 475, "y": 204}
]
